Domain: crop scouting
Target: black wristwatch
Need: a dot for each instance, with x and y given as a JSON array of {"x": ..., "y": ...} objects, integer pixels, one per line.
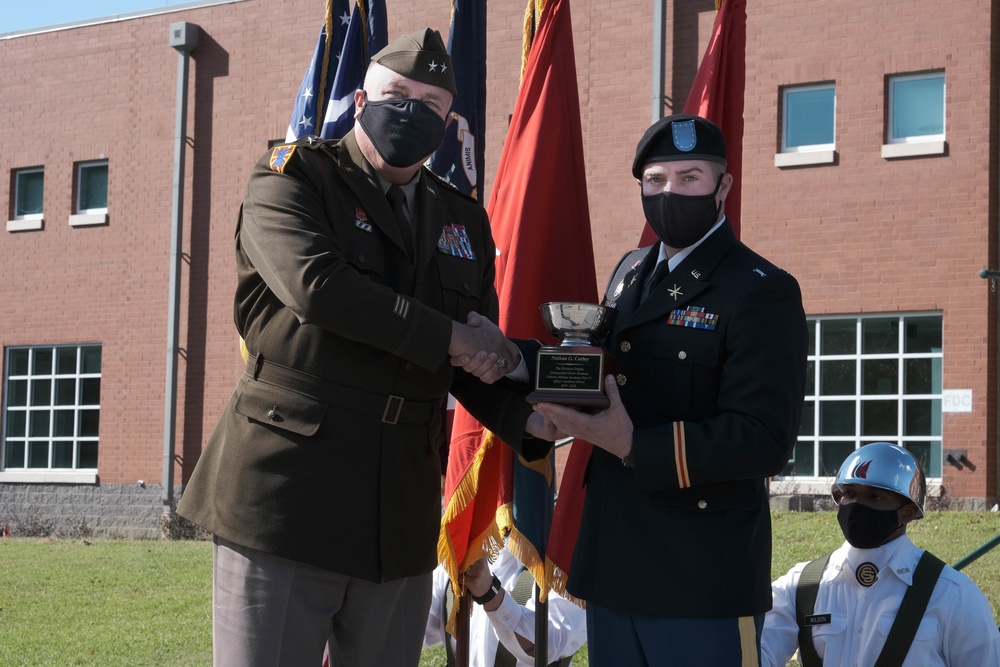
[{"x": 493, "y": 591}]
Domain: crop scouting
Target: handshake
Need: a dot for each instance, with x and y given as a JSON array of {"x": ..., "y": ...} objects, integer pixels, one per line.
[{"x": 480, "y": 348}]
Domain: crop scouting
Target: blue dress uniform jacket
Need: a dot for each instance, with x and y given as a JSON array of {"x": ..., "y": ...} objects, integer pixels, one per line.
[
  {"x": 328, "y": 451},
  {"x": 711, "y": 368}
]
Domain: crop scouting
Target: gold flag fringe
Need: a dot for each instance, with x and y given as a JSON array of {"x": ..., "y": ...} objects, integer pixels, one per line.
[
  {"x": 532, "y": 15},
  {"x": 557, "y": 582},
  {"x": 486, "y": 544},
  {"x": 324, "y": 65}
]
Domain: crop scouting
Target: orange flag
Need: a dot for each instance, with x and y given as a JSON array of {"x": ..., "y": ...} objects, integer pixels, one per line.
[{"x": 541, "y": 224}]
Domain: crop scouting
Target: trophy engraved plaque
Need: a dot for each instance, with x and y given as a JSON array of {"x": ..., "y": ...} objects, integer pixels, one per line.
[{"x": 572, "y": 373}]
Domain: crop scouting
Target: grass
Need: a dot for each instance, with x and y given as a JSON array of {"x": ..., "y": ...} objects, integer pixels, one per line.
[{"x": 147, "y": 602}]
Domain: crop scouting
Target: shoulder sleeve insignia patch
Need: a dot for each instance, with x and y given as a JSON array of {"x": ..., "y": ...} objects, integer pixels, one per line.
[{"x": 280, "y": 157}]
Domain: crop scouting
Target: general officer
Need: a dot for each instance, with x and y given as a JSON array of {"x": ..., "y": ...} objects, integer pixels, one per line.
[
  {"x": 357, "y": 269},
  {"x": 709, "y": 344}
]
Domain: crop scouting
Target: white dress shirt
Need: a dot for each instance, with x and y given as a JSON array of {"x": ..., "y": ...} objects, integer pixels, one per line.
[
  {"x": 957, "y": 629},
  {"x": 567, "y": 622}
]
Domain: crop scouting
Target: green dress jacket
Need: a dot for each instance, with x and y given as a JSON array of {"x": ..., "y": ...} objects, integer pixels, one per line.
[{"x": 328, "y": 450}]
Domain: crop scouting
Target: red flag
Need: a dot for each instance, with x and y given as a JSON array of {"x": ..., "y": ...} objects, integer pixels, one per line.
[
  {"x": 717, "y": 94},
  {"x": 541, "y": 223}
]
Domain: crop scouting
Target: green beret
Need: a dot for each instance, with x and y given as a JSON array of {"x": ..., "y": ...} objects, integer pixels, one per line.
[
  {"x": 681, "y": 136},
  {"x": 420, "y": 56}
]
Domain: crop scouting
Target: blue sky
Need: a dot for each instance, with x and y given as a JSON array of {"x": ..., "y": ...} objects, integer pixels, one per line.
[{"x": 29, "y": 14}]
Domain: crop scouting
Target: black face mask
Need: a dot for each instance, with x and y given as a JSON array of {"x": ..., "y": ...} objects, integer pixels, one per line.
[
  {"x": 681, "y": 220},
  {"x": 864, "y": 527},
  {"x": 404, "y": 132}
]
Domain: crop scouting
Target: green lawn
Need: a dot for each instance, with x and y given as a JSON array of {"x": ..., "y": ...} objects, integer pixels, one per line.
[{"x": 146, "y": 602}]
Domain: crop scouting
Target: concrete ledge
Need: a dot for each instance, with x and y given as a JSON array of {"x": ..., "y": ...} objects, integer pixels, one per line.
[{"x": 792, "y": 503}]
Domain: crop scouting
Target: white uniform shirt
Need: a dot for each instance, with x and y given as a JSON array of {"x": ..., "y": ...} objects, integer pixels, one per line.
[
  {"x": 957, "y": 630},
  {"x": 567, "y": 622}
]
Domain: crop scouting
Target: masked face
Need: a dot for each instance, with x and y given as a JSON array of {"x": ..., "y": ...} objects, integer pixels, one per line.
[
  {"x": 403, "y": 131},
  {"x": 865, "y": 527},
  {"x": 680, "y": 220}
]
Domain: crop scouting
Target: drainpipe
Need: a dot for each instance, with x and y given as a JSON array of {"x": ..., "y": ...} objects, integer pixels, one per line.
[
  {"x": 659, "y": 66},
  {"x": 184, "y": 38}
]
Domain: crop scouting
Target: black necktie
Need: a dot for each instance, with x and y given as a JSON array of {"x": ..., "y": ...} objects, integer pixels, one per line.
[
  {"x": 397, "y": 202},
  {"x": 659, "y": 273}
]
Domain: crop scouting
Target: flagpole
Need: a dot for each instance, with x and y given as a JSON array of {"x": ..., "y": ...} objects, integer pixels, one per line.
[
  {"x": 541, "y": 629},
  {"x": 462, "y": 623}
]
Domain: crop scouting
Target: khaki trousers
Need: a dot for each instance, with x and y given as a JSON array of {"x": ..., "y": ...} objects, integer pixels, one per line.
[{"x": 273, "y": 612}]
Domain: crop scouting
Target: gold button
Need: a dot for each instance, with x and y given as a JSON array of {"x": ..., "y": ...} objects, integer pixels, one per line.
[
  {"x": 621, "y": 379},
  {"x": 625, "y": 346},
  {"x": 702, "y": 504},
  {"x": 682, "y": 355}
]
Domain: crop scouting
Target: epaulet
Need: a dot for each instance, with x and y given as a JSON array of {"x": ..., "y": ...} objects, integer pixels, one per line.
[
  {"x": 448, "y": 184},
  {"x": 282, "y": 154}
]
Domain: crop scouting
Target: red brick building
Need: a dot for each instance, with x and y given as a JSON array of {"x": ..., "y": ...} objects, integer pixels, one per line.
[{"x": 870, "y": 172}]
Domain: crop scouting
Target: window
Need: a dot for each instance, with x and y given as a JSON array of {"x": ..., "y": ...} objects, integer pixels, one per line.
[
  {"x": 916, "y": 115},
  {"x": 52, "y": 411},
  {"x": 808, "y": 114},
  {"x": 29, "y": 184},
  {"x": 92, "y": 187},
  {"x": 870, "y": 379},
  {"x": 27, "y": 199},
  {"x": 916, "y": 107},
  {"x": 91, "y": 194}
]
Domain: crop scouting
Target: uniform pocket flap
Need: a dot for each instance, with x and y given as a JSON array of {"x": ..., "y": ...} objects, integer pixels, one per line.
[{"x": 279, "y": 407}]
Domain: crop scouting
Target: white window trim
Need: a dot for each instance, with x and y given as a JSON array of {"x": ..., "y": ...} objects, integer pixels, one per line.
[
  {"x": 804, "y": 158},
  {"x": 89, "y": 218},
  {"x": 48, "y": 477},
  {"x": 26, "y": 223},
  {"x": 913, "y": 148}
]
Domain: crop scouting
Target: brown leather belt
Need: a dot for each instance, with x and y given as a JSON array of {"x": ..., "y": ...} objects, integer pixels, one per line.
[{"x": 390, "y": 409}]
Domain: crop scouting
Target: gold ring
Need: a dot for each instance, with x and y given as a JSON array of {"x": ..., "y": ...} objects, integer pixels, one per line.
[{"x": 502, "y": 363}]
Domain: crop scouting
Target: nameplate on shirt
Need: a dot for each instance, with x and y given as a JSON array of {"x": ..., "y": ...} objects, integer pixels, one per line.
[
  {"x": 454, "y": 241},
  {"x": 817, "y": 619},
  {"x": 693, "y": 317}
]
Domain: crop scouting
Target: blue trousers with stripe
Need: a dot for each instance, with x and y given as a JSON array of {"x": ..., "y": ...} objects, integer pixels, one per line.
[{"x": 616, "y": 638}]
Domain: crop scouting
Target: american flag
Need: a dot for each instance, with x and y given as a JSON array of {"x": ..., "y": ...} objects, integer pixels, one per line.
[{"x": 324, "y": 105}]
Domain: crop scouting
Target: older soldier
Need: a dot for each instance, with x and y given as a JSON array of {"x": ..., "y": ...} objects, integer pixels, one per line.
[{"x": 321, "y": 483}]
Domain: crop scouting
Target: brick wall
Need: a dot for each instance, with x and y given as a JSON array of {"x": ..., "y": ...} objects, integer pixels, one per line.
[{"x": 864, "y": 235}]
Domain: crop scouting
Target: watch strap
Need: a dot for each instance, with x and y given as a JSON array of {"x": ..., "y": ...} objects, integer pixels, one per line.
[{"x": 492, "y": 592}]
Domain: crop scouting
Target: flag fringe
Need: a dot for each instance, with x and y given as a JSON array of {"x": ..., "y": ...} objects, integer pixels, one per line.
[
  {"x": 324, "y": 68},
  {"x": 523, "y": 550},
  {"x": 486, "y": 544},
  {"x": 557, "y": 579},
  {"x": 532, "y": 17}
]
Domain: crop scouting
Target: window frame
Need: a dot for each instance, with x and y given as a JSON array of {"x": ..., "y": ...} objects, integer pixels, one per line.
[
  {"x": 891, "y": 137},
  {"x": 805, "y": 88},
  {"x": 51, "y": 410},
  {"x": 813, "y": 435},
  {"x": 78, "y": 206},
  {"x": 804, "y": 154},
  {"x": 18, "y": 173}
]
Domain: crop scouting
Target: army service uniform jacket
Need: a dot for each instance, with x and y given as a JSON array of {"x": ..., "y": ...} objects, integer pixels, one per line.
[
  {"x": 711, "y": 369},
  {"x": 328, "y": 450}
]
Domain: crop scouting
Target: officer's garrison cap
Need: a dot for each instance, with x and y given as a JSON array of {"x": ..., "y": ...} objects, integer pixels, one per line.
[
  {"x": 420, "y": 56},
  {"x": 681, "y": 136}
]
